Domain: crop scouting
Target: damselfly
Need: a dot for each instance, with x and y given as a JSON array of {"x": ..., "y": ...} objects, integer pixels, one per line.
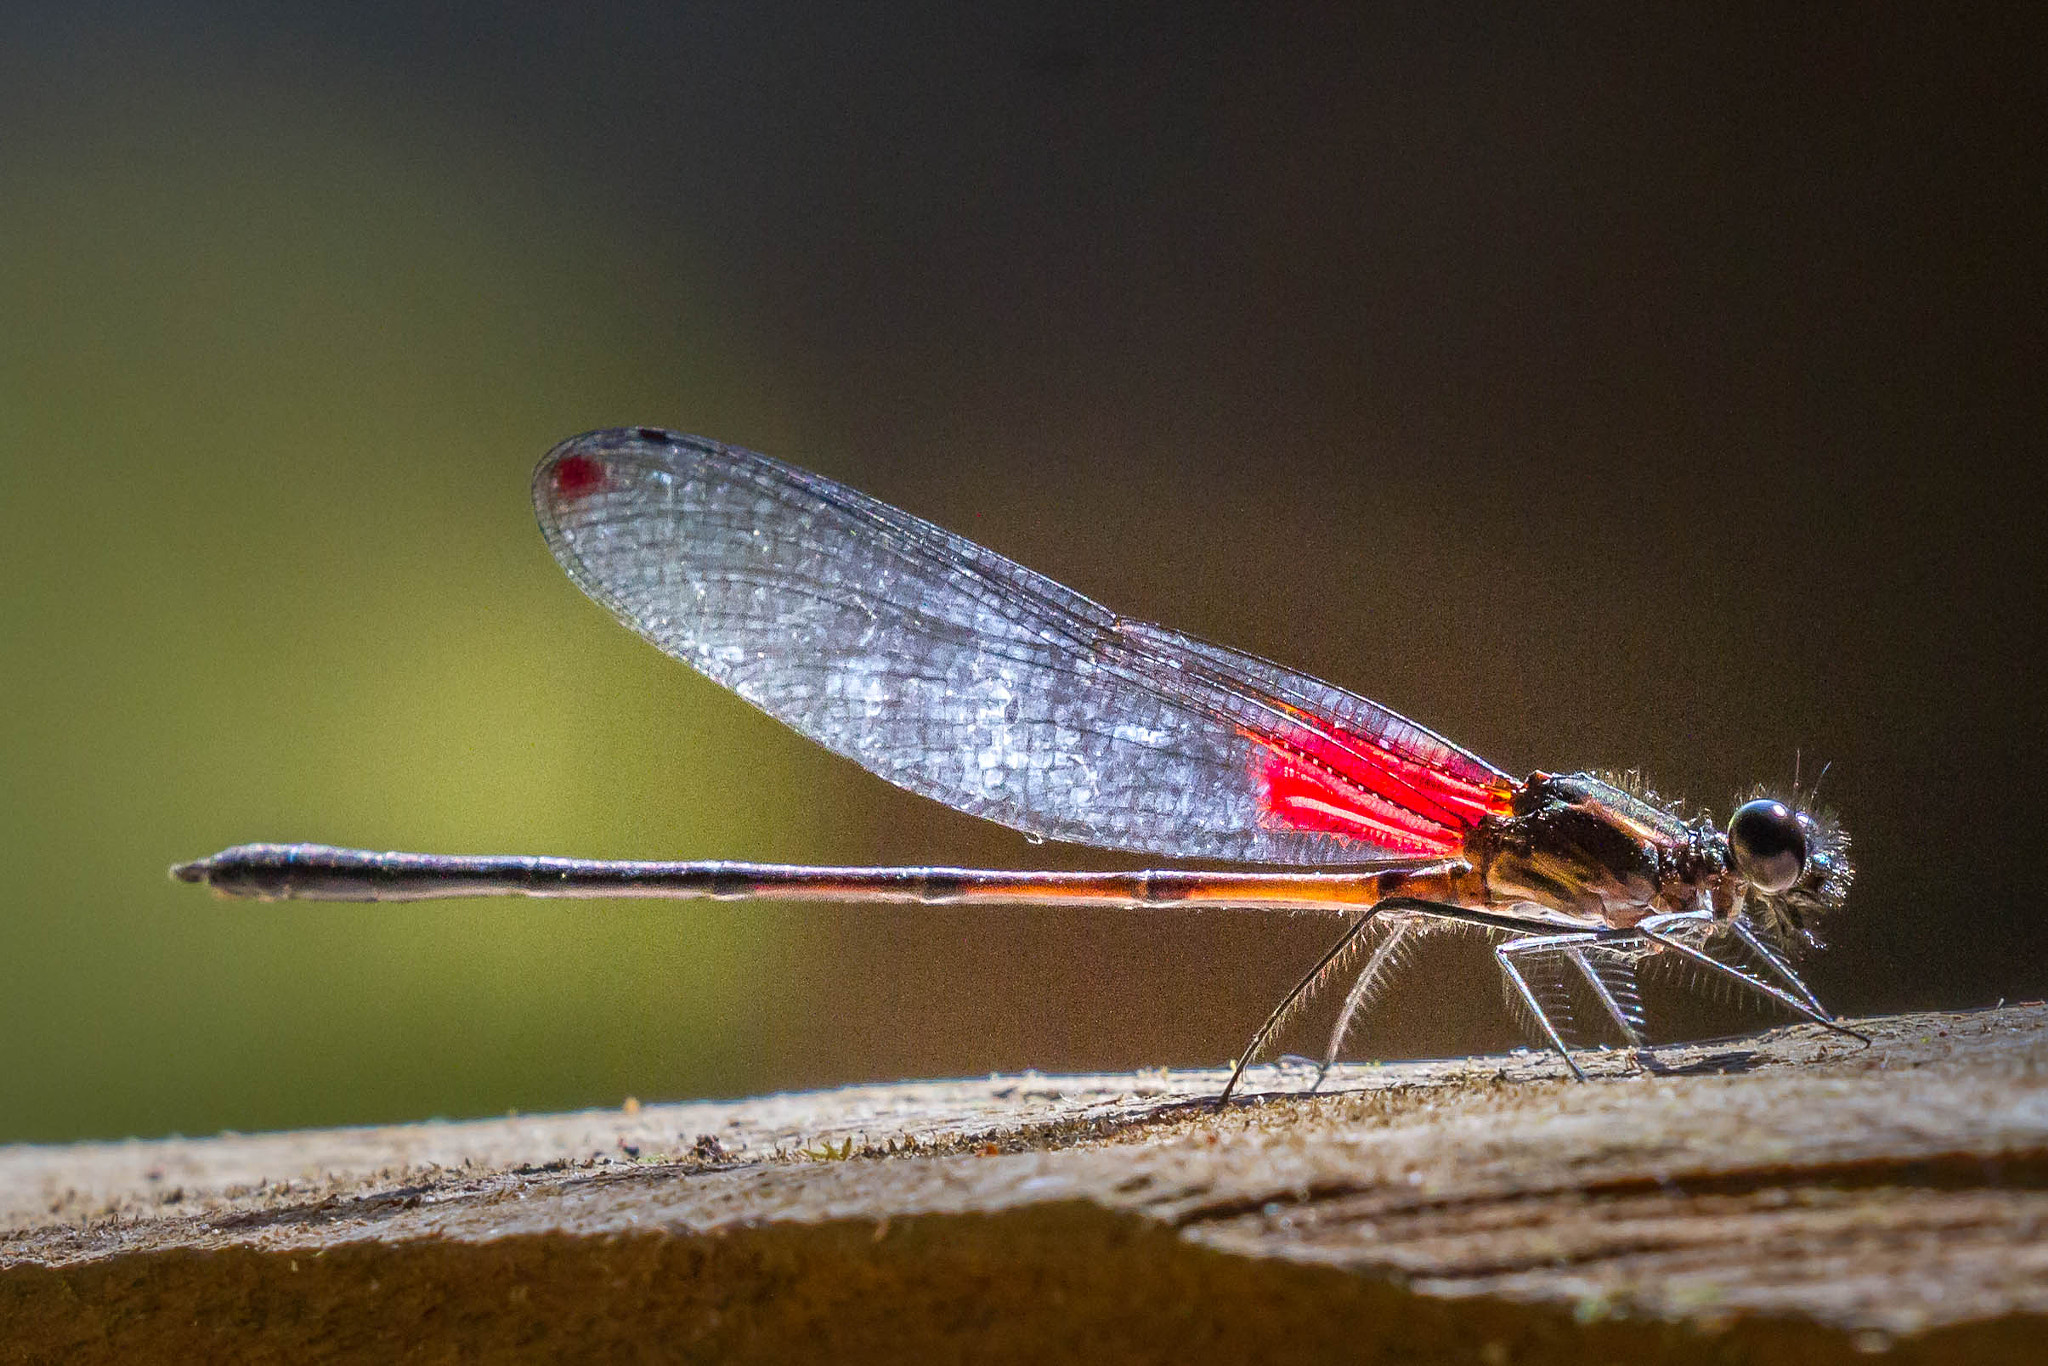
[{"x": 956, "y": 673}]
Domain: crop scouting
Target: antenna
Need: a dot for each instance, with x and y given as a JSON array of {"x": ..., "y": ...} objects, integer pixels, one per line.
[{"x": 1814, "y": 795}]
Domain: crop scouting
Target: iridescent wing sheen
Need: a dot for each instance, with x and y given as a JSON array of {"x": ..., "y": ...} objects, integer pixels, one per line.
[{"x": 953, "y": 672}]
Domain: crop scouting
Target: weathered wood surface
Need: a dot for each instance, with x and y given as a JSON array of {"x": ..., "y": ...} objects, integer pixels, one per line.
[{"x": 1787, "y": 1197}]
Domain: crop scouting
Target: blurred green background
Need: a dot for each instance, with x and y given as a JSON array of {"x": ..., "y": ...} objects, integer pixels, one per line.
[{"x": 1602, "y": 388}]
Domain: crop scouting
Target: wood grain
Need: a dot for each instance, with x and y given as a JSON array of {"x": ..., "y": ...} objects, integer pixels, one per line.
[{"x": 1789, "y": 1196}]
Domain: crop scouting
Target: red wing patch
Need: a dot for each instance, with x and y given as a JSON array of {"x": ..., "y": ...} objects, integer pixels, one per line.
[
  {"x": 577, "y": 476},
  {"x": 1339, "y": 783}
]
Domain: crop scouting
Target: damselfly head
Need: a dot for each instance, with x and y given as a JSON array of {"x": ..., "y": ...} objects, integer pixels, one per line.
[{"x": 1794, "y": 865}]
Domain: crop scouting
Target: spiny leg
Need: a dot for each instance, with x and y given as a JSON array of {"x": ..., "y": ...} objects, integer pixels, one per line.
[
  {"x": 1603, "y": 991},
  {"x": 1756, "y": 945},
  {"x": 1506, "y": 953},
  {"x": 1713, "y": 964},
  {"x": 1287, "y": 1003},
  {"x": 1362, "y": 991},
  {"x": 1440, "y": 909}
]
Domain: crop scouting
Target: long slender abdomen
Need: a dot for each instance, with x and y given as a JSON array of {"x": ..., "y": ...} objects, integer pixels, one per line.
[{"x": 318, "y": 872}]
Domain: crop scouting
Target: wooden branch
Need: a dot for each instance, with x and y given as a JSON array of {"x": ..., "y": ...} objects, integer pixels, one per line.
[{"x": 1788, "y": 1197}]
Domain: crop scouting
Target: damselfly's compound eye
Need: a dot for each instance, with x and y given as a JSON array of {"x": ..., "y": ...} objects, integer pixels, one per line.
[{"x": 1770, "y": 847}]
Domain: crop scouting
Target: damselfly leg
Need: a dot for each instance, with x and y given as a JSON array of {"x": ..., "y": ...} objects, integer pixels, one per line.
[
  {"x": 1387, "y": 958},
  {"x": 1604, "y": 959},
  {"x": 1657, "y": 931},
  {"x": 1776, "y": 962}
]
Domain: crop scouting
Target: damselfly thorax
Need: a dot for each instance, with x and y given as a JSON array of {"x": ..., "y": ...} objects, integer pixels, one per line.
[{"x": 951, "y": 671}]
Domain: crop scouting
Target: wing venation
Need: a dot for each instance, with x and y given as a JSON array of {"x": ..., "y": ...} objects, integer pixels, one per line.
[{"x": 956, "y": 673}]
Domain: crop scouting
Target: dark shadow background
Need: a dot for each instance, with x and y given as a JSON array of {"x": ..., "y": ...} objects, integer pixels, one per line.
[{"x": 1602, "y": 386}]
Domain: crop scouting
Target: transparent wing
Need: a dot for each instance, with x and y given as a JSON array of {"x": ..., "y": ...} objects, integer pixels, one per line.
[{"x": 961, "y": 675}]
